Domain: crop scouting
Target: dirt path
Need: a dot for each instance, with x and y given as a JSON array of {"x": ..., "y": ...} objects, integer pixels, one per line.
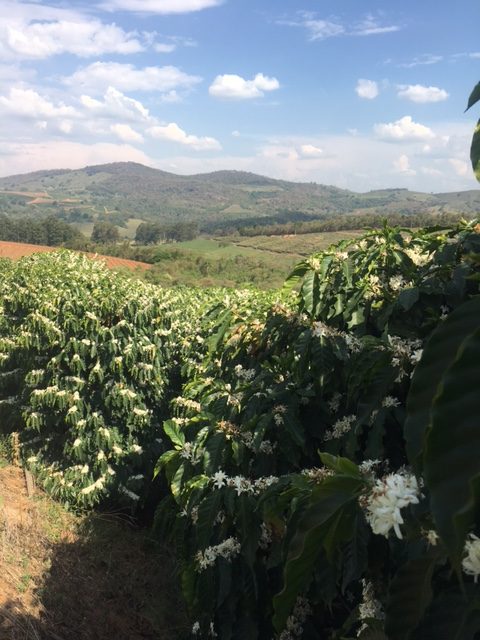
[{"x": 66, "y": 577}]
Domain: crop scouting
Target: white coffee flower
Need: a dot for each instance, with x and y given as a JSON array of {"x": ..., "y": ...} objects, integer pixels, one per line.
[
  {"x": 471, "y": 561},
  {"x": 219, "y": 479},
  {"x": 389, "y": 495}
]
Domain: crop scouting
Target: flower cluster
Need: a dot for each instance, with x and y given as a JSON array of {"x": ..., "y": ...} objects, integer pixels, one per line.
[
  {"x": 370, "y": 608},
  {"x": 340, "y": 427},
  {"x": 405, "y": 353},
  {"x": 242, "y": 484},
  {"x": 471, "y": 560},
  {"x": 226, "y": 549},
  {"x": 294, "y": 626},
  {"x": 389, "y": 496}
]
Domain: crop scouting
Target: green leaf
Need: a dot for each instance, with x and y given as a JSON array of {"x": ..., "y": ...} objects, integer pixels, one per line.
[
  {"x": 327, "y": 500},
  {"x": 446, "y": 618},
  {"x": 341, "y": 465},
  {"x": 213, "y": 453},
  {"x": 176, "y": 483},
  {"x": 409, "y": 595},
  {"x": 164, "y": 460},
  {"x": 452, "y": 461},
  {"x": 475, "y": 151},
  {"x": 309, "y": 291},
  {"x": 408, "y": 297},
  {"x": 224, "y": 581},
  {"x": 172, "y": 430},
  {"x": 355, "y": 552},
  {"x": 474, "y": 96},
  {"x": 339, "y": 531},
  {"x": 224, "y": 323},
  {"x": 298, "y": 272},
  {"x": 438, "y": 354}
]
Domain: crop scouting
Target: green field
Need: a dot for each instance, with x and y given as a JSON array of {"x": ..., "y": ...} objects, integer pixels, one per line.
[
  {"x": 294, "y": 245},
  {"x": 212, "y": 262}
]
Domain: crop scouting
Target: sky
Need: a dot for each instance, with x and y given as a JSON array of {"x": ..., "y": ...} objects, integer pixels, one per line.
[{"x": 356, "y": 94}]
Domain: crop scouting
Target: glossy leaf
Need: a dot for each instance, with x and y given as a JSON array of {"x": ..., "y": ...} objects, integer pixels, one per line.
[
  {"x": 452, "y": 463},
  {"x": 409, "y": 595},
  {"x": 474, "y": 96},
  {"x": 438, "y": 354},
  {"x": 327, "y": 501}
]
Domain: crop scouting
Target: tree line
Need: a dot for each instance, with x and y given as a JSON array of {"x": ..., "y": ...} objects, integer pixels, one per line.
[
  {"x": 156, "y": 232},
  {"x": 347, "y": 223},
  {"x": 49, "y": 231}
]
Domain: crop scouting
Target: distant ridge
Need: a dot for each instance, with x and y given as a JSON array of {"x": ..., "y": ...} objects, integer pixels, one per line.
[{"x": 131, "y": 190}]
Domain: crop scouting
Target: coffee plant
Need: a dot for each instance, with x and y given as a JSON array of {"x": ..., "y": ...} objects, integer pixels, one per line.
[
  {"x": 304, "y": 485},
  {"x": 89, "y": 361},
  {"x": 320, "y": 444}
]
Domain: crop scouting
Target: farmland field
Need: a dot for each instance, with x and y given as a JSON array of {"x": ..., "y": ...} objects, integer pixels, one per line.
[
  {"x": 17, "y": 250},
  {"x": 295, "y": 245}
]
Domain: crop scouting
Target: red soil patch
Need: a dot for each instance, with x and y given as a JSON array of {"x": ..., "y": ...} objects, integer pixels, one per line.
[
  {"x": 28, "y": 194},
  {"x": 41, "y": 200},
  {"x": 17, "y": 250}
]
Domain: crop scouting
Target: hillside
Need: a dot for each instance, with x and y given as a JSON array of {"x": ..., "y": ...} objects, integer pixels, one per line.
[
  {"x": 17, "y": 250},
  {"x": 125, "y": 190}
]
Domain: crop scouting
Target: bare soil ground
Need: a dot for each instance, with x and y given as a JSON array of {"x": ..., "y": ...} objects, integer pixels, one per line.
[
  {"x": 70, "y": 577},
  {"x": 17, "y": 250}
]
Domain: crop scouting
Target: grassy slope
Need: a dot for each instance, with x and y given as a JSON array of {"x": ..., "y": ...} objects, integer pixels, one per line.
[
  {"x": 72, "y": 577},
  {"x": 294, "y": 245},
  {"x": 207, "y": 263},
  {"x": 264, "y": 261}
]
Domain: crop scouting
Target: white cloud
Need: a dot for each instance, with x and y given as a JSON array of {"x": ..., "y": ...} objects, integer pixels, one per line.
[
  {"x": 421, "y": 94},
  {"x": 126, "y": 77},
  {"x": 62, "y": 154},
  {"x": 173, "y": 133},
  {"x": 33, "y": 31},
  {"x": 426, "y": 59},
  {"x": 430, "y": 171},
  {"x": 65, "y": 126},
  {"x": 162, "y": 7},
  {"x": 27, "y": 103},
  {"x": 371, "y": 26},
  {"x": 360, "y": 162},
  {"x": 460, "y": 167},
  {"x": 403, "y": 130},
  {"x": 402, "y": 165},
  {"x": 310, "y": 151},
  {"x": 126, "y": 133},
  {"x": 367, "y": 89},
  {"x": 234, "y": 87},
  {"x": 12, "y": 73},
  {"x": 170, "y": 97},
  {"x": 115, "y": 105},
  {"x": 164, "y": 47},
  {"x": 320, "y": 29}
]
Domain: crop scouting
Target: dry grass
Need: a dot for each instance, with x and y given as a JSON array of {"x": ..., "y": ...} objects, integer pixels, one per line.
[{"x": 67, "y": 577}]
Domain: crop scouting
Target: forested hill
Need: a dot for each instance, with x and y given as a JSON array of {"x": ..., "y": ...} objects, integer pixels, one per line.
[{"x": 125, "y": 190}]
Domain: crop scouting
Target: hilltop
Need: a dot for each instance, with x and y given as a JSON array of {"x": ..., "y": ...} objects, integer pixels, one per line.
[{"x": 128, "y": 190}]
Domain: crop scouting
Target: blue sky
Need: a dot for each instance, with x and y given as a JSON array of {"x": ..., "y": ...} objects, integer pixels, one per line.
[{"x": 355, "y": 94}]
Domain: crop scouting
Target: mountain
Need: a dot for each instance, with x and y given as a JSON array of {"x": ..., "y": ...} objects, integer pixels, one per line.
[{"x": 124, "y": 190}]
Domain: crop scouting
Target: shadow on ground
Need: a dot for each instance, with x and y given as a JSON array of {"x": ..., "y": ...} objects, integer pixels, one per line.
[{"x": 69, "y": 578}]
